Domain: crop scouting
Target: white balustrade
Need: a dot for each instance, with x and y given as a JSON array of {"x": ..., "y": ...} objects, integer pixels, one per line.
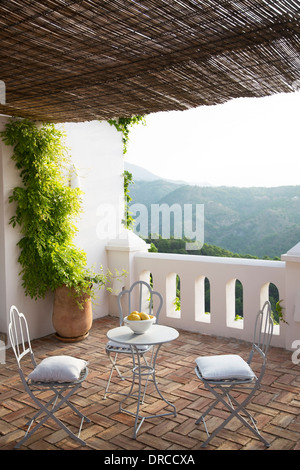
[
  {"x": 131, "y": 253},
  {"x": 222, "y": 273}
]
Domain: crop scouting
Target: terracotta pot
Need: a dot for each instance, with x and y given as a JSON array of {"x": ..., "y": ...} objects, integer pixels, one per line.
[{"x": 70, "y": 322}]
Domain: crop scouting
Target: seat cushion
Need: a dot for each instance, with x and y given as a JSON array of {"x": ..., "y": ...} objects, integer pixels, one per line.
[
  {"x": 114, "y": 345},
  {"x": 58, "y": 369},
  {"x": 224, "y": 367}
]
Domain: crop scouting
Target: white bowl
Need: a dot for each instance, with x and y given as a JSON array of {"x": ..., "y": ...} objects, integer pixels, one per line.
[{"x": 139, "y": 326}]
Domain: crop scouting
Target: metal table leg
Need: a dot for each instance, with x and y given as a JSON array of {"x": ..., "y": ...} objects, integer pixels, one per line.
[{"x": 140, "y": 371}]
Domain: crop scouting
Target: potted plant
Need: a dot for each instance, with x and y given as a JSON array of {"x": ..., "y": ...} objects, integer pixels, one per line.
[
  {"x": 72, "y": 310},
  {"x": 46, "y": 207}
]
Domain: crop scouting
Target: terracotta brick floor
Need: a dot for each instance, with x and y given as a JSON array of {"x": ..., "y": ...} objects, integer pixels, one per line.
[{"x": 276, "y": 406}]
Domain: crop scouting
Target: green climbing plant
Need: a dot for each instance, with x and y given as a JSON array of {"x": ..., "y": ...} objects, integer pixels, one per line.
[
  {"x": 278, "y": 315},
  {"x": 46, "y": 210},
  {"x": 128, "y": 221},
  {"x": 123, "y": 124}
]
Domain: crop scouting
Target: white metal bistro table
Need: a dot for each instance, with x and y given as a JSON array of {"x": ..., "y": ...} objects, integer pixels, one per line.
[{"x": 157, "y": 335}]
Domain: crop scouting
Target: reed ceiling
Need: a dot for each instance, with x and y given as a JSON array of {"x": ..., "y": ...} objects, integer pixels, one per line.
[{"x": 79, "y": 60}]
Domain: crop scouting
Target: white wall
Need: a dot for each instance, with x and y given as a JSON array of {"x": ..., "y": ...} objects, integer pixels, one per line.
[{"x": 96, "y": 149}]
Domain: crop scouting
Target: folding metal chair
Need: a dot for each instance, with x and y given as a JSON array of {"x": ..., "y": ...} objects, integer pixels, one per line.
[
  {"x": 142, "y": 298},
  {"x": 62, "y": 375},
  {"x": 226, "y": 374}
]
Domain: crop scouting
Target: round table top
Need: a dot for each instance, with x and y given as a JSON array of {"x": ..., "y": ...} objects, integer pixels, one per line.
[{"x": 157, "y": 334}]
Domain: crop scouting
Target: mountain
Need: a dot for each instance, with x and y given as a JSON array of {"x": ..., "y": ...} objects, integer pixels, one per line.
[
  {"x": 263, "y": 222},
  {"x": 141, "y": 174}
]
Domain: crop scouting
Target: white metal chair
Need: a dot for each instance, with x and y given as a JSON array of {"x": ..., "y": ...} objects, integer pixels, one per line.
[
  {"x": 142, "y": 298},
  {"x": 224, "y": 374},
  {"x": 62, "y": 375}
]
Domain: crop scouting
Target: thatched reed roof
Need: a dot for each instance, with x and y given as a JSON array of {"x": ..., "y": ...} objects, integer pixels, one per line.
[{"x": 76, "y": 60}]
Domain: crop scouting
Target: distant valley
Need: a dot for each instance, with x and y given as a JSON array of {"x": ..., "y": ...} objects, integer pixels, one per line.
[{"x": 263, "y": 222}]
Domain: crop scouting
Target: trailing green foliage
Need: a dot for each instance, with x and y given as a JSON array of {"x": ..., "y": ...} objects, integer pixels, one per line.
[
  {"x": 46, "y": 207},
  {"x": 278, "y": 315},
  {"x": 128, "y": 219},
  {"x": 123, "y": 124}
]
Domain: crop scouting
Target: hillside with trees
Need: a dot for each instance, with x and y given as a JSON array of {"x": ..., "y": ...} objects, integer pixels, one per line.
[{"x": 261, "y": 222}]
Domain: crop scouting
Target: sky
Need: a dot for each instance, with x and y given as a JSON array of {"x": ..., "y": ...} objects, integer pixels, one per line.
[{"x": 245, "y": 142}]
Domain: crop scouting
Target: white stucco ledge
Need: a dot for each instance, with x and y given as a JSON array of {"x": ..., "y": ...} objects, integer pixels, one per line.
[
  {"x": 293, "y": 254},
  {"x": 127, "y": 241}
]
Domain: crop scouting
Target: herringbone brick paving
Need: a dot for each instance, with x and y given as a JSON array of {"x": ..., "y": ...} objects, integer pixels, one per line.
[{"x": 276, "y": 406}]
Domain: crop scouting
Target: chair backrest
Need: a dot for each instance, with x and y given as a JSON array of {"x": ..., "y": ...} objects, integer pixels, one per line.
[
  {"x": 263, "y": 332},
  {"x": 19, "y": 336},
  {"x": 139, "y": 297}
]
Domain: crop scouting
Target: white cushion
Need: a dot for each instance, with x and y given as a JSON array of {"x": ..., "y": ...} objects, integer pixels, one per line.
[
  {"x": 58, "y": 369},
  {"x": 115, "y": 345},
  {"x": 224, "y": 367}
]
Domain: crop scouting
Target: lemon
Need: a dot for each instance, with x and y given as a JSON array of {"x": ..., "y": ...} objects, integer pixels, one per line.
[
  {"x": 134, "y": 317},
  {"x": 144, "y": 316},
  {"x": 135, "y": 312}
]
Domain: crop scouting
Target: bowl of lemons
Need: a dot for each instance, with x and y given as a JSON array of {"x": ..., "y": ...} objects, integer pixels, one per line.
[{"x": 139, "y": 322}]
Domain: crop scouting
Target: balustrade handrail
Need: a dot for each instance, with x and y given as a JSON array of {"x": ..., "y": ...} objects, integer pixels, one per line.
[{"x": 211, "y": 259}]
